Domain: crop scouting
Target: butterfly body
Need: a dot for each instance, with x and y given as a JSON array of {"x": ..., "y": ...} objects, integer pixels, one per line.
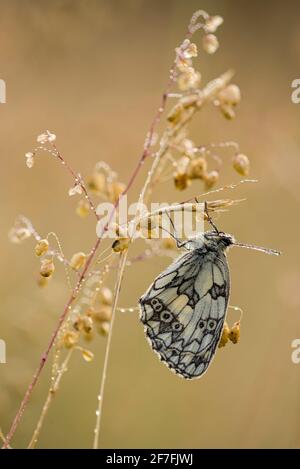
[{"x": 184, "y": 310}]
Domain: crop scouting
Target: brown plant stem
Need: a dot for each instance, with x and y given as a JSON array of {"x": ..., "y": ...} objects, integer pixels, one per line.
[
  {"x": 63, "y": 316},
  {"x": 207, "y": 94}
]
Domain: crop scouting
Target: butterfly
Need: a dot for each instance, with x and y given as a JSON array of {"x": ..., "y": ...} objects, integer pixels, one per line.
[{"x": 184, "y": 309}]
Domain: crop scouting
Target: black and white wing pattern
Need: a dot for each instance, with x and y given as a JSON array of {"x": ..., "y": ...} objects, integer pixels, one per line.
[{"x": 183, "y": 311}]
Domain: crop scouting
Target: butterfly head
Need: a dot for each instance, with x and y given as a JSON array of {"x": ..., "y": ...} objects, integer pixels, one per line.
[{"x": 219, "y": 239}]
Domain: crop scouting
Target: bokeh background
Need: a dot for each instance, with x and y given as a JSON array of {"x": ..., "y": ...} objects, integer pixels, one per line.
[{"x": 93, "y": 72}]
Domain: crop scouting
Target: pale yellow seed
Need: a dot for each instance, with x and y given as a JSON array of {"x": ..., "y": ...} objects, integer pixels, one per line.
[
  {"x": 87, "y": 324},
  {"x": 120, "y": 244},
  {"x": 41, "y": 247},
  {"x": 106, "y": 296},
  {"x": 103, "y": 328},
  {"x": 198, "y": 168},
  {"x": 210, "y": 43},
  {"x": 103, "y": 314},
  {"x": 227, "y": 111},
  {"x": 181, "y": 181},
  {"x": 47, "y": 268},
  {"x": 70, "y": 339},
  {"x": 87, "y": 354},
  {"x": 235, "y": 333},
  {"x": 225, "y": 335},
  {"x": 241, "y": 164},
  {"x": 78, "y": 260},
  {"x": 78, "y": 323},
  {"x": 230, "y": 95},
  {"x": 211, "y": 179},
  {"x": 176, "y": 114}
]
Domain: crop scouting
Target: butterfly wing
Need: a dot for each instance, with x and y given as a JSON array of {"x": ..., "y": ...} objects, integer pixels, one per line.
[{"x": 184, "y": 310}]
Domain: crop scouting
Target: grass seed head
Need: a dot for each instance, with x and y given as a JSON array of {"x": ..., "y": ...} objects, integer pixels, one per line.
[
  {"x": 225, "y": 335},
  {"x": 41, "y": 247},
  {"x": 211, "y": 179},
  {"x": 103, "y": 328},
  {"x": 210, "y": 43},
  {"x": 47, "y": 267},
  {"x": 235, "y": 333},
  {"x": 103, "y": 314},
  {"x": 106, "y": 296},
  {"x": 198, "y": 168},
  {"x": 120, "y": 245},
  {"x": 78, "y": 260},
  {"x": 70, "y": 339},
  {"x": 241, "y": 164},
  {"x": 231, "y": 95}
]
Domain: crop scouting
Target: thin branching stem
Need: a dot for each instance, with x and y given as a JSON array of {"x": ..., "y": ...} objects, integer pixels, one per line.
[
  {"x": 196, "y": 102},
  {"x": 73, "y": 296},
  {"x": 51, "y": 394},
  {"x": 122, "y": 263}
]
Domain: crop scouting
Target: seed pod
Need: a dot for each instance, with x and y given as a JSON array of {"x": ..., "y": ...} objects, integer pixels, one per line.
[
  {"x": 70, "y": 339},
  {"x": 83, "y": 208},
  {"x": 212, "y": 23},
  {"x": 210, "y": 43},
  {"x": 197, "y": 168},
  {"x": 230, "y": 95},
  {"x": 97, "y": 183},
  {"x": 78, "y": 323},
  {"x": 47, "y": 267},
  {"x": 78, "y": 260},
  {"x": 87, "y": 355},
  {"x": 227, "y": 111},
  {"x": 225, "y": 335},
  {"x": 29, "y": 159},
  {"x": 211, "y": 179},
  {"x": 190, "y": 50},
  {"x": 106, "y": 296},
  {"x": 181, "y": 181},
  {"x": 41, "y": 247},
  {"x": 87, "y": 324},
  {"x": 103, "y": 328},
  {"x": 121, "y": 244},
  {"x": 189, "y": 101},
  {"x": 103, "y": 314},
  {"x": 189, "y": 80},
  {"x": 235, "y": 333},
  {"x": 176, "y": 113},
  {"x": 241, "y": 164}
]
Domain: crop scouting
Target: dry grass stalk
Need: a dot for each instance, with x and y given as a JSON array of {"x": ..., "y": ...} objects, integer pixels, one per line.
[{"x": 188, "y": 161}]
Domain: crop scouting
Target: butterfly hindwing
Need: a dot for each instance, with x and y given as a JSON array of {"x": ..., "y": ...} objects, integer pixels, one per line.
[{"x": 184, "y": 310}]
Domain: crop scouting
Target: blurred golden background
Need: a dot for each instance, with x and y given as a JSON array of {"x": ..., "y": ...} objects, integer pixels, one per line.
[{"x": 93, "y": 73}]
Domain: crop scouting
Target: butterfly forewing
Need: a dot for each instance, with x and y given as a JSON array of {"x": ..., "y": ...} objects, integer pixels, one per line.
[{"x": 184, "y": 309}]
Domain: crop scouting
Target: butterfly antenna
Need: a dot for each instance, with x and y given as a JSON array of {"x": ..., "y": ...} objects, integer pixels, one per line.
[
  {"x": 179, "y": 243},
  {"x": 208, "y": 216},
  {"x": 272, "y": 252}
]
